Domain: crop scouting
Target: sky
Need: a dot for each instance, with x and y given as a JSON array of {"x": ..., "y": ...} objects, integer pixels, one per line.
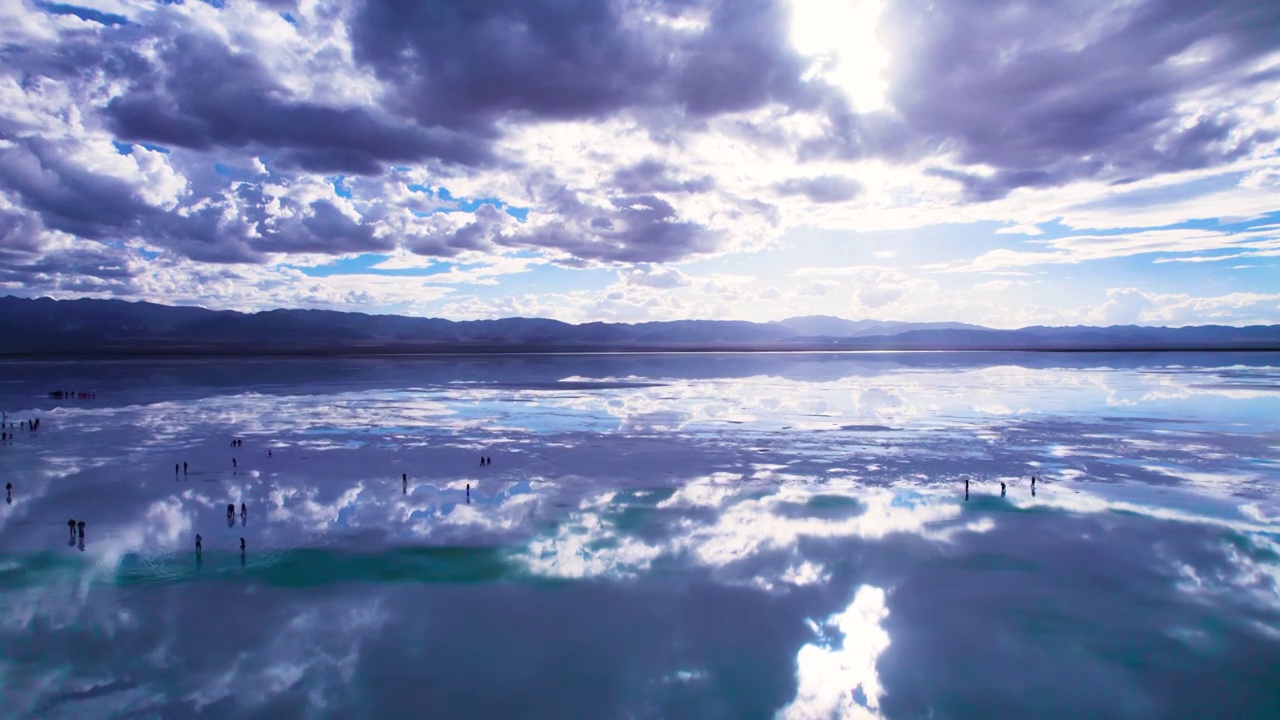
[{"x": 1000, "y": 162}]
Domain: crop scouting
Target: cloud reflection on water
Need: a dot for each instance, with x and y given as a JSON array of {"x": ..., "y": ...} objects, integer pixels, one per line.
[{"x": 655, "y": 536}]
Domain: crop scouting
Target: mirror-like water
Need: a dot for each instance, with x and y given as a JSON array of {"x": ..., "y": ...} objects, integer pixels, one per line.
[{"x": 657, "y": 536}]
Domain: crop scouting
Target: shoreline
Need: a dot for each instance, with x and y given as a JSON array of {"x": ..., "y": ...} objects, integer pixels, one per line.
[{"x": 506, "y": 350}]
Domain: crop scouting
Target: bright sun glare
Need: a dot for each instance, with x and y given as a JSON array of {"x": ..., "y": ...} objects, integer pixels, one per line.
[{"x": 840, "y": 36}]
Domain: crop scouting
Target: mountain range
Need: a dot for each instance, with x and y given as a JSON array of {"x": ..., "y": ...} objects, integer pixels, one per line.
[{"x": 46, "y": 327}]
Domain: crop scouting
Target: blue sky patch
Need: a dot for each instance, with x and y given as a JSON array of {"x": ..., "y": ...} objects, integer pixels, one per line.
[
  {"x": 464, "y": 204},
  {"x": 84, "y": 13},
  {"x": 365, "y": 265}
]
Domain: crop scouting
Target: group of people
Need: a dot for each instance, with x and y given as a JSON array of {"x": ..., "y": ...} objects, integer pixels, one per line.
[
  {"x": 70, "y": 394},
  {"x": 1002, "y": 487},
  {"x": 72, "y": 526},
  {"x": 7, "y": 429},
  {"x": 484, "y": 460}
]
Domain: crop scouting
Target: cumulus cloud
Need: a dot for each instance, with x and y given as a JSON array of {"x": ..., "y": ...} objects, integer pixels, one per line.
[
  {"x": 620, "y": 134},
  {"x": 656, "y": 277},
  {"x": 1131, "y": 306},
  {"x": 1033, "y": 94}
]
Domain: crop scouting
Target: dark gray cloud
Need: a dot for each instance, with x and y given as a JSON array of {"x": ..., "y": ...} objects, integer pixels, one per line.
[
  {"x": 1048, "y": 92},
  {"x": 629, "y": 229},
  {"x": 821, "y": 189},
  {"x": 463, "y": 64},
  {"x": 201, "y": 95},
  {"x": 655, "y": 176}
]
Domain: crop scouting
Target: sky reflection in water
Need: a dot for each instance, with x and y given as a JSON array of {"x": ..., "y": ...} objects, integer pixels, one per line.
[{"x": 658, "y": 536}]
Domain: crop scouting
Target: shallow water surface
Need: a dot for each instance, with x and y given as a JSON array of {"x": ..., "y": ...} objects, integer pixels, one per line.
[{"x": 658, "y": 536}]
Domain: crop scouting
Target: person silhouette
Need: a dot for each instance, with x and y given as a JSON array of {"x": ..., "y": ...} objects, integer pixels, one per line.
[
  {"x": 244, "y": 509},
  {"x": 1001, "y": 489},
  {"x": 175, "y": 469},
  {"x": 184, "y": 467},
  {"x": 198, "y": 548},
  {"x": 404, "y": 483},
  {"x": 481, "y": 459},
  {"x": 71, "y": 527},
  {"x": 231, "y": 508},
  {"x": 80, "y": 528},
  {"x": 8, "y": 493},
  {"x": 241, "y": 546},
  {"x": 468, "y": 493},
  {"x": 233, "y": 464},
  {"x": 1033, "y": 482}
]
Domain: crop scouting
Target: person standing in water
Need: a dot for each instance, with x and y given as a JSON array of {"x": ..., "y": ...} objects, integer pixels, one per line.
[
  {"x": 198, "y": 548},
  {"x": 1002, "y": 489},
  {"x": 468, "y": 493},
  {"x": 184, "y": 467}
]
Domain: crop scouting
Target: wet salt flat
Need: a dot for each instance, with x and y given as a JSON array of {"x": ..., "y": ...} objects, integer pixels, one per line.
[{"x": 658, "y": 536}]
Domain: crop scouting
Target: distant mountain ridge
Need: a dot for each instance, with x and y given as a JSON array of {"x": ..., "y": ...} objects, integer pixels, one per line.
[{"x": 46, "y": 327}]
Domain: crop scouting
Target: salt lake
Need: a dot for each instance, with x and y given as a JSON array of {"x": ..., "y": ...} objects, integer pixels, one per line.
[{"x": 657, "y": 536}]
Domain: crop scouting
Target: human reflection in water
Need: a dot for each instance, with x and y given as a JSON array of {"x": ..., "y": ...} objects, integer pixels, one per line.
[
  {"x": 1033, "y": 491},
  {"x": 8, "y": 493},
  {"x": 241, "y": 552},
  {"x": 404, "y": 483},
  {"x": 71, "y": 533},
  {"x": 244, "y": 514},
  {"x": 80, "y": 527}
]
